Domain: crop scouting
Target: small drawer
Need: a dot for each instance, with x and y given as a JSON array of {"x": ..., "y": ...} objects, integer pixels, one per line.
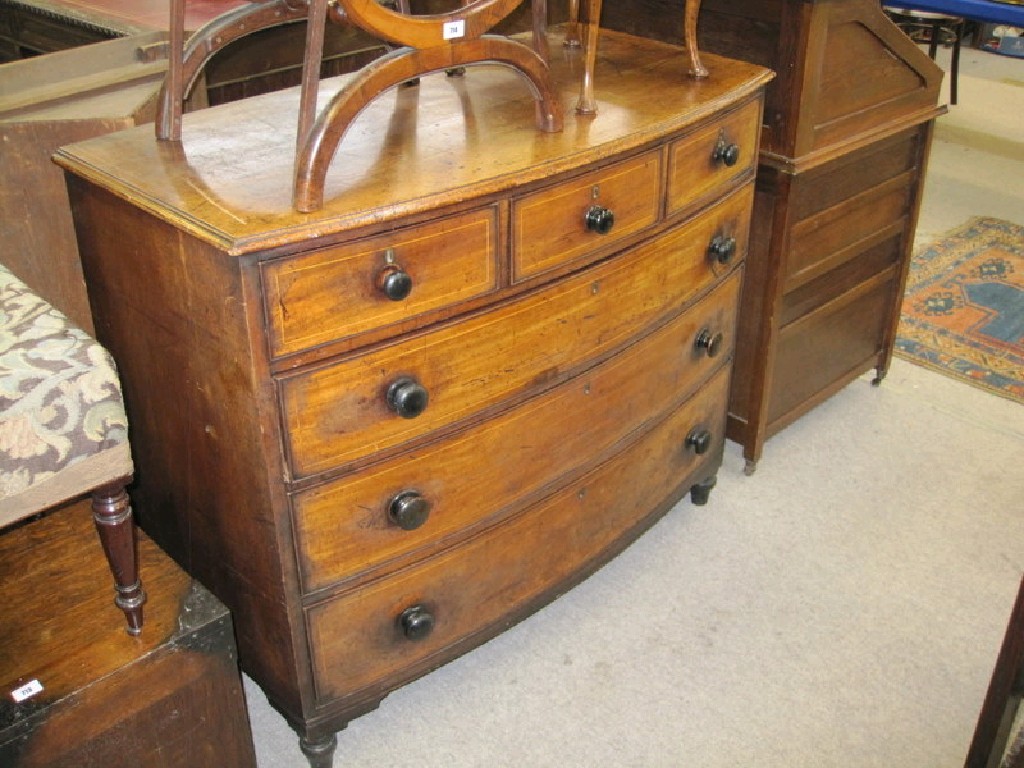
[
  {"x": 391, "y": 395},
  {"x": 394, "y": 629},
  {"x": 342, "y": 291},
  {"x": 703, "y": 164},
  {"x": 430, "y": 496},
  {"x": 568, "y": 221}
]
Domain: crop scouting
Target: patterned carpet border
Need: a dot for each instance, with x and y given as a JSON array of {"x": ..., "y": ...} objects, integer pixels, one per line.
[{"x": 963, "y": 310}]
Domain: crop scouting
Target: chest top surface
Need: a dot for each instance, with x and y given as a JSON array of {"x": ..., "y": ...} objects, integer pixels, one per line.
[{"x": 411, "y": 151}]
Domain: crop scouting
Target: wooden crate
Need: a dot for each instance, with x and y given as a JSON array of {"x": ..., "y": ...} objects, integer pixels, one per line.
[{"x": 169, "y": 698}]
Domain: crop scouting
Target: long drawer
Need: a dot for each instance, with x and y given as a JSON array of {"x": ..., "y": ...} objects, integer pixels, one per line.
[
  {"x": 359, "y": 642},
  {"x": 362, "y": 521},
  {"x": 339, "y": 413}
]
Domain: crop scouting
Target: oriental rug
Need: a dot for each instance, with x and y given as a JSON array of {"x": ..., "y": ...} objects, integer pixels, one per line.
[{"x": 963, "y": 310}]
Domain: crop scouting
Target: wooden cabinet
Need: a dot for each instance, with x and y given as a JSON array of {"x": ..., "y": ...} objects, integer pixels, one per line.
[
  {"x": 844, "y": 144},
  {"x": 385, "y": 431}
]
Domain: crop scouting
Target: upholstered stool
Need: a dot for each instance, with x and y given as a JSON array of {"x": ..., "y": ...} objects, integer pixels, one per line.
[{"x": 63, "y": 430}]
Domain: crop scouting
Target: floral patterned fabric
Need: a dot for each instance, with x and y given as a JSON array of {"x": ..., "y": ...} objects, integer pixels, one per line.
[{"x": 63, "y": 429}]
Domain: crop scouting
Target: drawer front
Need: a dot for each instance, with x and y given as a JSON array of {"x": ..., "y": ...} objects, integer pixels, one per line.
[
  {"x": 699, "y": 169},
  {"x": 344, "y": 528},
  {"x": 550, "y": 227},
  {"x": 339, "y": 292},
  {"x": 356, "y": 640},
  {"x": 336, "y": 414}
]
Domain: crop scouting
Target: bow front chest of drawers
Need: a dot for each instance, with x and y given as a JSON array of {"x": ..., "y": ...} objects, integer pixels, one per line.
[{"x": 383, "y": 432}]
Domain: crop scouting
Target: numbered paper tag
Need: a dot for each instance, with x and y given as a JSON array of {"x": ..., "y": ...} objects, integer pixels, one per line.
[
  {"x": 454, "y": 29},
  {"x": 27, "y": 691}
]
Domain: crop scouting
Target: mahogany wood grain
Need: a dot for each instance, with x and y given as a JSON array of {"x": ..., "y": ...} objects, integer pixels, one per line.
[
  {"x": 239, "y": 173},
  {"x": 304, "y": 293}
]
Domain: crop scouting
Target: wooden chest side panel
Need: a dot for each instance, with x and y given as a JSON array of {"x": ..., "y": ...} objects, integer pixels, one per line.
[
  {"x": 170, "y": 697},
  {"x": 174, "y": 317}
]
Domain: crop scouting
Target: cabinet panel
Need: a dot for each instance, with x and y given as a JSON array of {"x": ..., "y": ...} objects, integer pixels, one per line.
[
  {"x": 829, "y": 345},
  {"x": 825, "y": 241}
]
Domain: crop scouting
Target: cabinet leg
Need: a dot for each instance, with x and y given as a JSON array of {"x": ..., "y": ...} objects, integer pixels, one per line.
[
  {"x": 319, "y": 752},
  {"x": 700, "y": 492}
]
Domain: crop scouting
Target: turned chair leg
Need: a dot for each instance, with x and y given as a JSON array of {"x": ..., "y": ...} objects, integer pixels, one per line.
[{"x": 112, "y": 514}]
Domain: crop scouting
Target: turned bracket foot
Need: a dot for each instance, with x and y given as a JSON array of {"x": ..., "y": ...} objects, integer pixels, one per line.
[
  {"x": 701, "y": 492},
  {"x": 319, "y": 752}
]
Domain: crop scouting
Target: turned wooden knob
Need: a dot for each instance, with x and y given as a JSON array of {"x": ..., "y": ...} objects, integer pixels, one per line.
[
  {"x": 416, "y": 622},
  {"x": 722, "y": 248},
  {"x": 409, "y": 510},
  {"x": 407, "y": 397},
  {"x": 726, "y": 153},
  {"x": 699, "y": 441},
  {"x": 599, "y": 219},
  {"x": 394, "y": 282},
  {"x": 709, "y": 343}
]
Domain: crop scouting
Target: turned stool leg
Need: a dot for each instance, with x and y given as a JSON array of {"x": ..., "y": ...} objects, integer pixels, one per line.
[{"x": 112, "y": 514}]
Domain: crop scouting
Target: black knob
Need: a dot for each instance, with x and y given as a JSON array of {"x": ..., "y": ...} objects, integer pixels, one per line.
[
  {"x": 722, "y": 248},
  {"x": 710, "y": 343},
  {"x": 699, "y": 441},
  {"x": 409, "y": 510},
  {"x": 407, "y": 397},
  {"x": 726, "y": 153},
  {"x": 416, "y": 622},
  {"x": 599, "y": 219},
  {"x": 394, "y": 282}
]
